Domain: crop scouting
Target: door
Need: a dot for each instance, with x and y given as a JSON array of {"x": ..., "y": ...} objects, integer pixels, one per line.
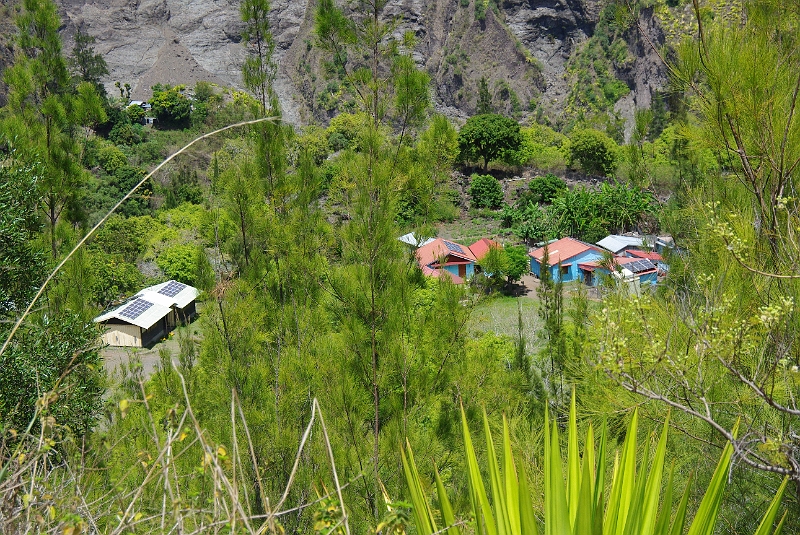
[{"x": 462, "y": 270}]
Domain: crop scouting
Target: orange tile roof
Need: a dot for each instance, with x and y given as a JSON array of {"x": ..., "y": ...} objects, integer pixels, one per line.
[
  {"x": 482, "y": 246},
  {"x": 438, "y": 248},
  {"x": 562, "y": 250}
]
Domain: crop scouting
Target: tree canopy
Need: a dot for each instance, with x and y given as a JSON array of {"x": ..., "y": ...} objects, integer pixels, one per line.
[{"x": 487, "y": 137}]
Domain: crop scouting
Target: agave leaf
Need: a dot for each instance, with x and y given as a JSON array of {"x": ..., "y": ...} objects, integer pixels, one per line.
[
  {"x": 627, "y": 474},
  {"x": 634, "y": 520},
  {"x": 662, "y": 523},
  {"x": 779, "y": 529},
  {"x": 556, "y": 520},
  {"x": 650, "y": 505},
  {"x": 680, "y": 514},
  {"x": 448, "y": 517},
  {"x": 511, "y": 483},
  {"x": 484, "y": 519},
  {"x": 422, "y": 513},
  {"x": 706, "y": 516},
  {"x": 496, "y": 481},
  {"x": 526, "y": 515},
  {"x": 600, "y": 482},
  {"x": 573, "y": 463},
  {"x": 765, "y": 526},
  {"x": 585, "y": 511}
]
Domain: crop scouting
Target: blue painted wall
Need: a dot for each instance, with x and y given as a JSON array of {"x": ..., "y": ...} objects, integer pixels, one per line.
[
  {"x": 454, "y": 270},
  {"x": 573, "y": 272}
]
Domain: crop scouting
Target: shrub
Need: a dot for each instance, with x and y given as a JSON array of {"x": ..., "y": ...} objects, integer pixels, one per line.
[
  {"x": 486, "y": 192},
  {"x": 594, "y": 150},
  {"x": 179, "y": 262}
]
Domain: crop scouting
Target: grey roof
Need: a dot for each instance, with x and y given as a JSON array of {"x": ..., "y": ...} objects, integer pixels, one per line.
[
  {"x": 152, "y": 304},
  {"x": 412, "y": 239},
  {"x": 145, "y": 319},
  {"x": 166, "y": 293},
  {"x": 616, "y": 243}
]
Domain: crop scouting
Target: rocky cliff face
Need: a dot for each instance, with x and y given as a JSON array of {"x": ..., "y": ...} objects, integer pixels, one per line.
[{"x": 521, "y": 47}]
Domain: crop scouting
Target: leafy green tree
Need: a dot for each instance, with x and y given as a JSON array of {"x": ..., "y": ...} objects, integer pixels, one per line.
[
  {"x": 596, "y": 153},
  {"x": 519, "y": 263},
  {"x": 171, "y": 106},
  {"x": 551, "y": 310},
  {"x": 488, "y": 137},
  {"x": 21, "y": 263},
  {"x": 486, "y": 191}
]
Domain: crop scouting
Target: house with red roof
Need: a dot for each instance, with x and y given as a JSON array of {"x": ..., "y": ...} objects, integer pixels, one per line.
[
  {"x": 444, "y": 255},
  {"x": 564, "y": 258},
  {"x": 482, "y": 246}
]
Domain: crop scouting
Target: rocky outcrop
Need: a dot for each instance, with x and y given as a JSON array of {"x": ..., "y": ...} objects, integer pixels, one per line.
[{"x": 521, "y": 48}]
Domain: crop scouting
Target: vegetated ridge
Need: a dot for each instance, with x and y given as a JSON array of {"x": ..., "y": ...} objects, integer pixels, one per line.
[{"x": 523, "y": 50}]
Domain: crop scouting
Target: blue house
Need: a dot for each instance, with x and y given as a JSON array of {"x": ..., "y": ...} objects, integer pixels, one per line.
[
  {"x": 626, "y": 268},
  {"x": 569, "y": 253}
]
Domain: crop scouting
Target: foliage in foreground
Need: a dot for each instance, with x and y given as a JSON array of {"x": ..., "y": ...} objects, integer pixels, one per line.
[{"x": 582, "y": 505}]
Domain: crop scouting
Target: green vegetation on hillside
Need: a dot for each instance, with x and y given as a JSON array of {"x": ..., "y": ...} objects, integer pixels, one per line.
[{"x": 329, "y": 383}]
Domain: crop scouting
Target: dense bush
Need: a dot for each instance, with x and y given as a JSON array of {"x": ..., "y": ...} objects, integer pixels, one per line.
[
  {"x": 486, "y": 192},
  {"x": 488, "y": 137},
  {"x": 596, "y": 153},
  {"x": 170, "y": 106}
]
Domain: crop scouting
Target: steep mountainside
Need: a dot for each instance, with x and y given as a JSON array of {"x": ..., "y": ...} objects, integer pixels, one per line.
[{"x": 522, "y": 48}]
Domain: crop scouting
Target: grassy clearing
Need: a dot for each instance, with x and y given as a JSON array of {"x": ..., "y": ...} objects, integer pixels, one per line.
[{"x": 500, "y": 315}]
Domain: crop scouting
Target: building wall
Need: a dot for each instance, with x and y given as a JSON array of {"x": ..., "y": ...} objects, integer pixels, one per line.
[
  {"x": 123, "y": 336},
  {"x": 571, "y": 272},
  {"x": 454, "y": 270}
]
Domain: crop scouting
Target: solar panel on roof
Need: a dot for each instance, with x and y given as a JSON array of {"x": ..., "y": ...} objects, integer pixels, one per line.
[
  {"x": 453, "y": 247},
  {"x": 135, "y": 309},
  {"x": 172, "y": 289},
  {"x": 640, "y": 265}
]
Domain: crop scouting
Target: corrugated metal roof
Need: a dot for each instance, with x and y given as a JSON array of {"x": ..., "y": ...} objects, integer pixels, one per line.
[
  {"x": 155, "y": 302},
  {"x": 615, "y": 243},
  {"x": 185, "y": 294},
  {"x": 145, "y": 320}
]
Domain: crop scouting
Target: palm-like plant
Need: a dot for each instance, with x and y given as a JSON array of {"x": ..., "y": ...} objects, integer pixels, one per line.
[{"x": 584, "y": 505}]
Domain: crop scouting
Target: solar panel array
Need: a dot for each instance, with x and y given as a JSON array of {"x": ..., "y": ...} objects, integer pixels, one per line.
[
  {"x": 453, "y": 247},
  {"x": 172, "y": 289},
  {"x": 640, "y": 265},
  {"x": 136, "y": 308}
]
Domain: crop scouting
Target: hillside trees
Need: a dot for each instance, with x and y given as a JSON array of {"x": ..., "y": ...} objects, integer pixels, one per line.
[
  {"x": 44, "y": 113},
  {"x": 731, "y": 306},
  {"x": 488, "y": 137}
]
